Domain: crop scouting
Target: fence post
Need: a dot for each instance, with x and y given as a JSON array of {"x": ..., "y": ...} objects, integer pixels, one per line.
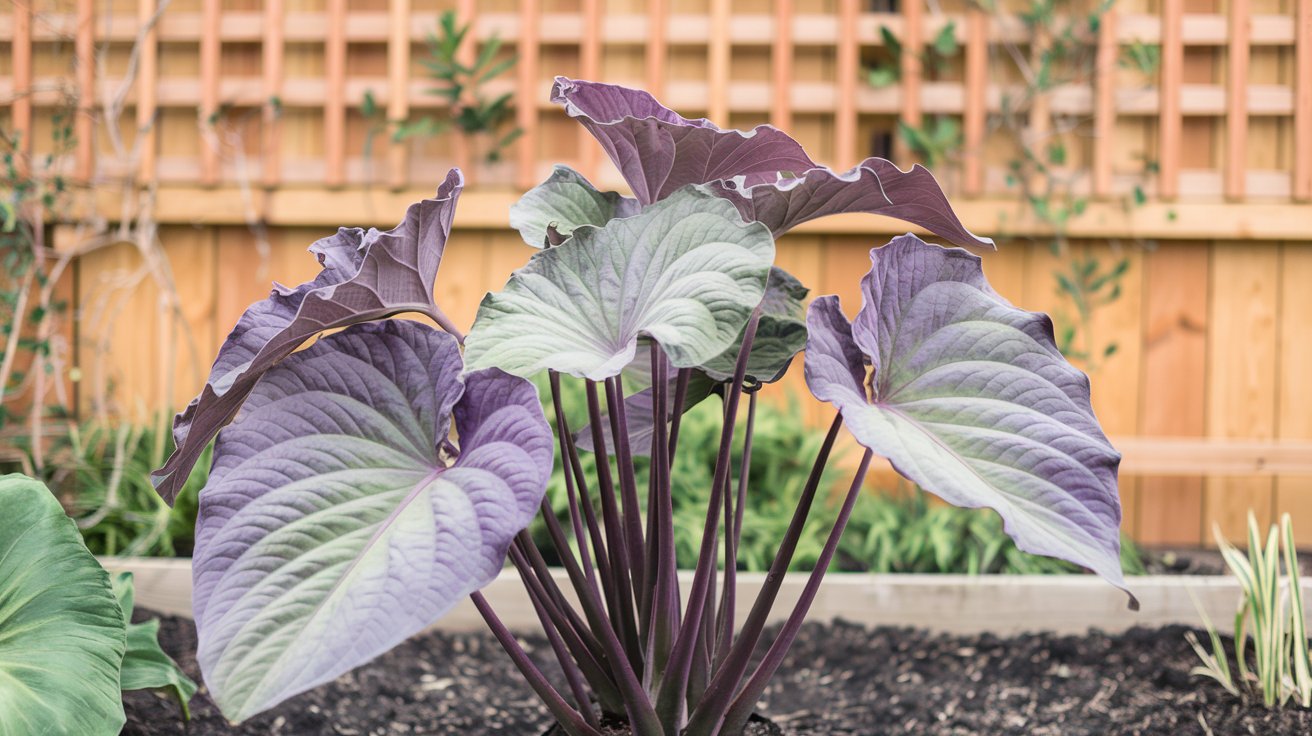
[
  {"x": 398, "y": 84},
  {"x": 334, "y": 99},
  {"x": 1171, "y": 125},
  {"x": 1104, "y": 101},
  {"x": 975, "y": 117},
  {"x": 272, "y": 63}
]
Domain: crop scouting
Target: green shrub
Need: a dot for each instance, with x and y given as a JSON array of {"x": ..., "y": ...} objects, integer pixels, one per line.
[
  {"x": 102, "y": 476},
  {"x": 105, "y": 483}
]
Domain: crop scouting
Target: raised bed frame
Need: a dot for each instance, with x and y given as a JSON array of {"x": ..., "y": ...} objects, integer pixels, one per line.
[{"x": 955, "y": 604}]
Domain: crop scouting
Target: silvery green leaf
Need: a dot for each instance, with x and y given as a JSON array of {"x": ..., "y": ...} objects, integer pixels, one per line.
[
  {"x": 341, "y": 518},
  {"x": 970, "y": 399},
  {"x": 780, "y": 335},
  {"x": 61, "y": 628},
  {"x": 686, "y": 272},
  {"x": 566, "y": 201}
]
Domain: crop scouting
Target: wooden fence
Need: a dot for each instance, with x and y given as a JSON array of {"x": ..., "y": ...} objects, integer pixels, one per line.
[{"x": 252, "y": 144}]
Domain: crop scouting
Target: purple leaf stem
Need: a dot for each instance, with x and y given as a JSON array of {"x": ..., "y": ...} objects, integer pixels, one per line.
[
  {"x": 615, "y": 541},
  {"x": 730, "y": 673},
  {"x": 633, "y": 533},
  {"x": 736, "y": 719},
  {"x": 566, "y": 658},
  {"x": 674, "y": 687},
  {"x": 567, "y": 717}
]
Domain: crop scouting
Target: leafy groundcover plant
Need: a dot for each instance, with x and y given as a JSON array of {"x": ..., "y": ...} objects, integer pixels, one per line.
[
  {"x": 68, "y": 647},
  {"x": 365, "y": 484}
]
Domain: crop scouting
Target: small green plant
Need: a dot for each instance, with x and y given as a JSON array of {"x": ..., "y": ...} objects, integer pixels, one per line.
[
  {"x": 101, "y": 473},
  {"x": 936, "y": 56},
  {"x": 461, "y": 86},
  {"x": 1271, "y": 613},
  {"x": 937, "y": 140},
  {"x": 1142, "y": 57}
]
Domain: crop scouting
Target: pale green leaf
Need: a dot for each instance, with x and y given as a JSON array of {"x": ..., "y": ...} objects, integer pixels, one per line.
[
  {"x": 61, "y": 630},
  {"x": 686, "y": 272}
]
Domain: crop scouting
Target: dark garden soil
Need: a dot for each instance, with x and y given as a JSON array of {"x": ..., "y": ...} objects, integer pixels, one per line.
[
  {"x": 840, "y": 679},
  {"x": 1199, "y": 562}
]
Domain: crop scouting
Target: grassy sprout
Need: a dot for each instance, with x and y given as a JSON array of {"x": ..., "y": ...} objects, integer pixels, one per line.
[{"x": 1271, "y": 614}]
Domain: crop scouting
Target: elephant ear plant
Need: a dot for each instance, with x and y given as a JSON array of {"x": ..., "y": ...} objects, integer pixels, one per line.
[{"x": 368, "y": 483}]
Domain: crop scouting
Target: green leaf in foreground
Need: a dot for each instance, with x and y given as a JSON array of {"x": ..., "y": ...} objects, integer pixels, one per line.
[
  {"x": 145, "y": 665},
  {"x": 61, "y": 630}
]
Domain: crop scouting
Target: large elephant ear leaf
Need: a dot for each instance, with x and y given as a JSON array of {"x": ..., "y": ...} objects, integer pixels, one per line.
[
  {"x": 659, "y": 152},
  {"x": 367, "y": 275},
  {"x": 780, "y": 335},
  {"x": 876, "y": 186},
  {"x": 145, "y": 665},
  {"x": 340, "y": 517},
  {"x": 764, "y": 172},
  {"x": 566, "y": 201},
  {"x": 61, "y": 629},
  {"x": 970, "y": 398},
  {"x": 686, "y": 272}
]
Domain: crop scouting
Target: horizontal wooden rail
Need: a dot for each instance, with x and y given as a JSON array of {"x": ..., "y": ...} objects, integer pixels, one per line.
[
  {"x": 1199, "y": 456},
  {"x": 743, "y": 97},
  {"x": 1198, "y": 29},
  {"x": 487, "y": 208}
]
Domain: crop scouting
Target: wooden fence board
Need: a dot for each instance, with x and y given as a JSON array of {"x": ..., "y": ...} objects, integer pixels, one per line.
[
  {"x": 1294, "y": 420},
  {"x": 1241, "y": 391},
  {"x": 1303, "y": 102},
  {"x": 84, "y": 129},
  {"x": 1175, "y": 319},
  {"x": 1116, "y": 379},
  {"x": 1236, "y": 131},
  {"x": 20, "y": 49},
  {"x": 272, "y": 71},
  {"x": 781, "y": 65}
]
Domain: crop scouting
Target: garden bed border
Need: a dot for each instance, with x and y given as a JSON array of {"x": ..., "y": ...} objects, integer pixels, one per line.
[{"x": 956, "y": 604}]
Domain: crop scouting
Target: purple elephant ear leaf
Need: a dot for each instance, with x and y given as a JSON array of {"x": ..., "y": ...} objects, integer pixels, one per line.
[
  {"x": 658, "y": 151},
  {"x": 336, "y": 521},
  {"x": 969, "y": 397},
  {"x": 876, "y": 186},
  {"x": 764, "y": 172},
  {"x": 367, "y": 275}
]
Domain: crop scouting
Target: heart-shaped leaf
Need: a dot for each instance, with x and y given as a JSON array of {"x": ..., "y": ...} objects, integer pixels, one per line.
[
  {"x": 686, "y": 272},
  {"x": 366, "y": 275},
  {"x": 765, "y": 173},
  {"x": 340, "y": 517},
  {"x": 970, "y": 398},
  {"x": 61, "y": 630},
  {"x": 565, "y": 201},
  {"x": 145, "y": 665}
]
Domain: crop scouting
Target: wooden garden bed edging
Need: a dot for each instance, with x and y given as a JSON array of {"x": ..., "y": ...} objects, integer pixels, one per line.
[{"x": 956, "y": 604}]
